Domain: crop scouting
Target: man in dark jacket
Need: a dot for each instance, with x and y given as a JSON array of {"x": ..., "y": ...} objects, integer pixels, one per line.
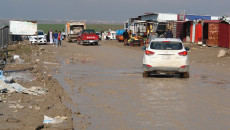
[
  {"x": 126, "y": 37},
  {"x": 169, "y": 34}
]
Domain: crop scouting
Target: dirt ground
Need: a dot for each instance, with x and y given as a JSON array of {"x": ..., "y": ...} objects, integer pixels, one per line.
[
  {"x": 80, "y": 96},
  {"x": 28, "y": 111}
]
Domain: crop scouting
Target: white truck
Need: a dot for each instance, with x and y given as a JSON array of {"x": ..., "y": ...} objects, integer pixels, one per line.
[{"x": 72, "y": 30}]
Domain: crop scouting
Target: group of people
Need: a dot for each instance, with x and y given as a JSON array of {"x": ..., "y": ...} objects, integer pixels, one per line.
[
  {"x": 54, "y": 38},
  {"x": 126, "y": 35}
]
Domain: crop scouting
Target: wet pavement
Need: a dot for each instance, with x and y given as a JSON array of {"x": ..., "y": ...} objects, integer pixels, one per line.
[{"x": 110, "y": 90}]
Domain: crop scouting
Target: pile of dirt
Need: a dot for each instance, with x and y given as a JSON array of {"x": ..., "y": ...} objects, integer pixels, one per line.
[{"x": 32, "y": 65}]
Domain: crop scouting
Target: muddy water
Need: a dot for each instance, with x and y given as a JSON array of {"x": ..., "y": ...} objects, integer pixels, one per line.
[{"x": 112, "y": 93}]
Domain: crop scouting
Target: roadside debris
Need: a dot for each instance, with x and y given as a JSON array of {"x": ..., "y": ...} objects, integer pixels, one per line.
[
  {"x": 55, "y": 120},
  {"x": 18, "y": 59},
  {"x": 16, "y": 106},
  {"x": 222, "y": 53},
  {"x": 15, "y": 87},
  {"x": 51, "y": 63}
]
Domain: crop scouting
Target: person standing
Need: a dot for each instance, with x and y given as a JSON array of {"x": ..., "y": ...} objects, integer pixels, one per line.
[
  {"x": 59, "y": 38},
  {"x": 126, "y": 36},
  {"x": 169, "y": 34},
  {"x": 56, "y": 38},
  {"x": 51, "y": 37}
]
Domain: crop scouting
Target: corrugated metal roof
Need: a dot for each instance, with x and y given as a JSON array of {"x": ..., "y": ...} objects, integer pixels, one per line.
[
  {"x": 154, "y": 13},
  {"x": 225, "y": 21},
  {"x": 212, "y": 21}
]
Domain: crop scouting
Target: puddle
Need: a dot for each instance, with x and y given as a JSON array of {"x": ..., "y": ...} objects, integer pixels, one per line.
[{"x": 116, "y": 96}]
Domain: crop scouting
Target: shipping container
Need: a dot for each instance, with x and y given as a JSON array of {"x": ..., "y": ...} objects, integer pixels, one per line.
[
  {"x": 198, "y": 35},
  {"x": 180, "y": 31},
  {"x": 211, "y": 32},
  {"x": 224, "y": 34},
  {"x": 23, "y": 27}
]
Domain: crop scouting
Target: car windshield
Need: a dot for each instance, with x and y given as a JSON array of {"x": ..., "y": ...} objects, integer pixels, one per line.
[
  {"x": 40, "y": 33},
  {"x": 166, "y": 45},
  {"x": 88, "y": 31}
]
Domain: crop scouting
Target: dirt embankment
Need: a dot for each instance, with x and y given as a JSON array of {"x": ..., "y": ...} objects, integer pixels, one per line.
[{"x": 25, "y": 111}]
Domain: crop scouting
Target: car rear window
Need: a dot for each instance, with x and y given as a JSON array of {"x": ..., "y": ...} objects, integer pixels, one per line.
[
  {"x": 166, "y": 45},
  {"x": 40, "y": 33}
]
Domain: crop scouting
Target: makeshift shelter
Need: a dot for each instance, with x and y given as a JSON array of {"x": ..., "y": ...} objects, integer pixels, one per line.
[
  {"x": 224, "y": 34},
  {"x": 211, "y": 32}
]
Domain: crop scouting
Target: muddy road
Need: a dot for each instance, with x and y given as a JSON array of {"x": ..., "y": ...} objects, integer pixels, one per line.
[{"x": 105, "y": 82}]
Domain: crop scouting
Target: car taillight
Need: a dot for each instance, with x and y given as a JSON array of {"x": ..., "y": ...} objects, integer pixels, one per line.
[
  {"x": 149, "y": 66},
  {"x": 183, "y": 66},
  {"x": 184, "y": 53},
  {"x": 149, "y": 52}
]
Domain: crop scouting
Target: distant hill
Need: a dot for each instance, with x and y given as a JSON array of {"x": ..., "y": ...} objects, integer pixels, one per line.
[{"x": 4, "y": 21}]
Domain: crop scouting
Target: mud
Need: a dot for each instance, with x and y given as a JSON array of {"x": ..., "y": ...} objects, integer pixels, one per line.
[
  {"x": 102, "y": 87},
  {"x": 107, "y": 84}
]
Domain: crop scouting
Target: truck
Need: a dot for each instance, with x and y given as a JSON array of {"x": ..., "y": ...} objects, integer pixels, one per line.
[
  {"x": 73, "y": 29},
  {"x": 88, "y": 36}
]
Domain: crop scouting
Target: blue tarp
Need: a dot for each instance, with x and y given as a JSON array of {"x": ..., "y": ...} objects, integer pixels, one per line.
[
  {"x": 120, "y": 32},
  {"x": 197, "y": 17}
]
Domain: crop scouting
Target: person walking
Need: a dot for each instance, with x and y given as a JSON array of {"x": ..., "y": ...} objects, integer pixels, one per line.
[
  {"x": 59, "y": 38},
  {"x": 126, "y": 37},
  {"x": 56, "y": 38}
]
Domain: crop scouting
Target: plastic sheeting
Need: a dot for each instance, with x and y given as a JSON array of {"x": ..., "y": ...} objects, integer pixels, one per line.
[{"x": 120, "y": 32}]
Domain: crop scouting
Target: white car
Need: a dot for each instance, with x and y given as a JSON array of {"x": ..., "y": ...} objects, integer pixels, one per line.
[
  {"x": 166, "y": 55},
  {"x": 40, "y": 38}
]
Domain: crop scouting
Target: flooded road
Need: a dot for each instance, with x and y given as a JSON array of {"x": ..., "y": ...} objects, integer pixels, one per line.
[{"x": 109, "y": 89}]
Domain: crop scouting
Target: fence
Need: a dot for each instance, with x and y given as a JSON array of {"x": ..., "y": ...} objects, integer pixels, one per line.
[
  {"x": 4, "y": 41},
  {"x": 4, "y": 37}
]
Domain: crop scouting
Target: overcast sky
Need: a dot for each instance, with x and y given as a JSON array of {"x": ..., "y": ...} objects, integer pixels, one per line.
[{"x": 106, "y": 10}]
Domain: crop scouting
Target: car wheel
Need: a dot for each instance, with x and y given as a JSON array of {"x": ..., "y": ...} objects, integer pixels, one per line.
[
  {"x": 96, "y": 43},
  {"x": 184, "y": 75},
  {"x": 146, "y": 74}
]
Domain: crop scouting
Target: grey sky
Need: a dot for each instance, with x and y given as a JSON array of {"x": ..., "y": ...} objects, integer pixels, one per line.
[{"x": 106, "y": 10}]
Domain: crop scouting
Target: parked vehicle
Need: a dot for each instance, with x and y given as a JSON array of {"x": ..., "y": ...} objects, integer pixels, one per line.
[
  {"x": 73, "y": 29},
  {"x": 88, "y": 36},
  {"x": 99, "y": 35},
  {"x": 63, "y": 35},
  {"x": 112, "y": 35},
  {"x": 39, "y": 38},
  {"x": 166, "y": 55}
]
